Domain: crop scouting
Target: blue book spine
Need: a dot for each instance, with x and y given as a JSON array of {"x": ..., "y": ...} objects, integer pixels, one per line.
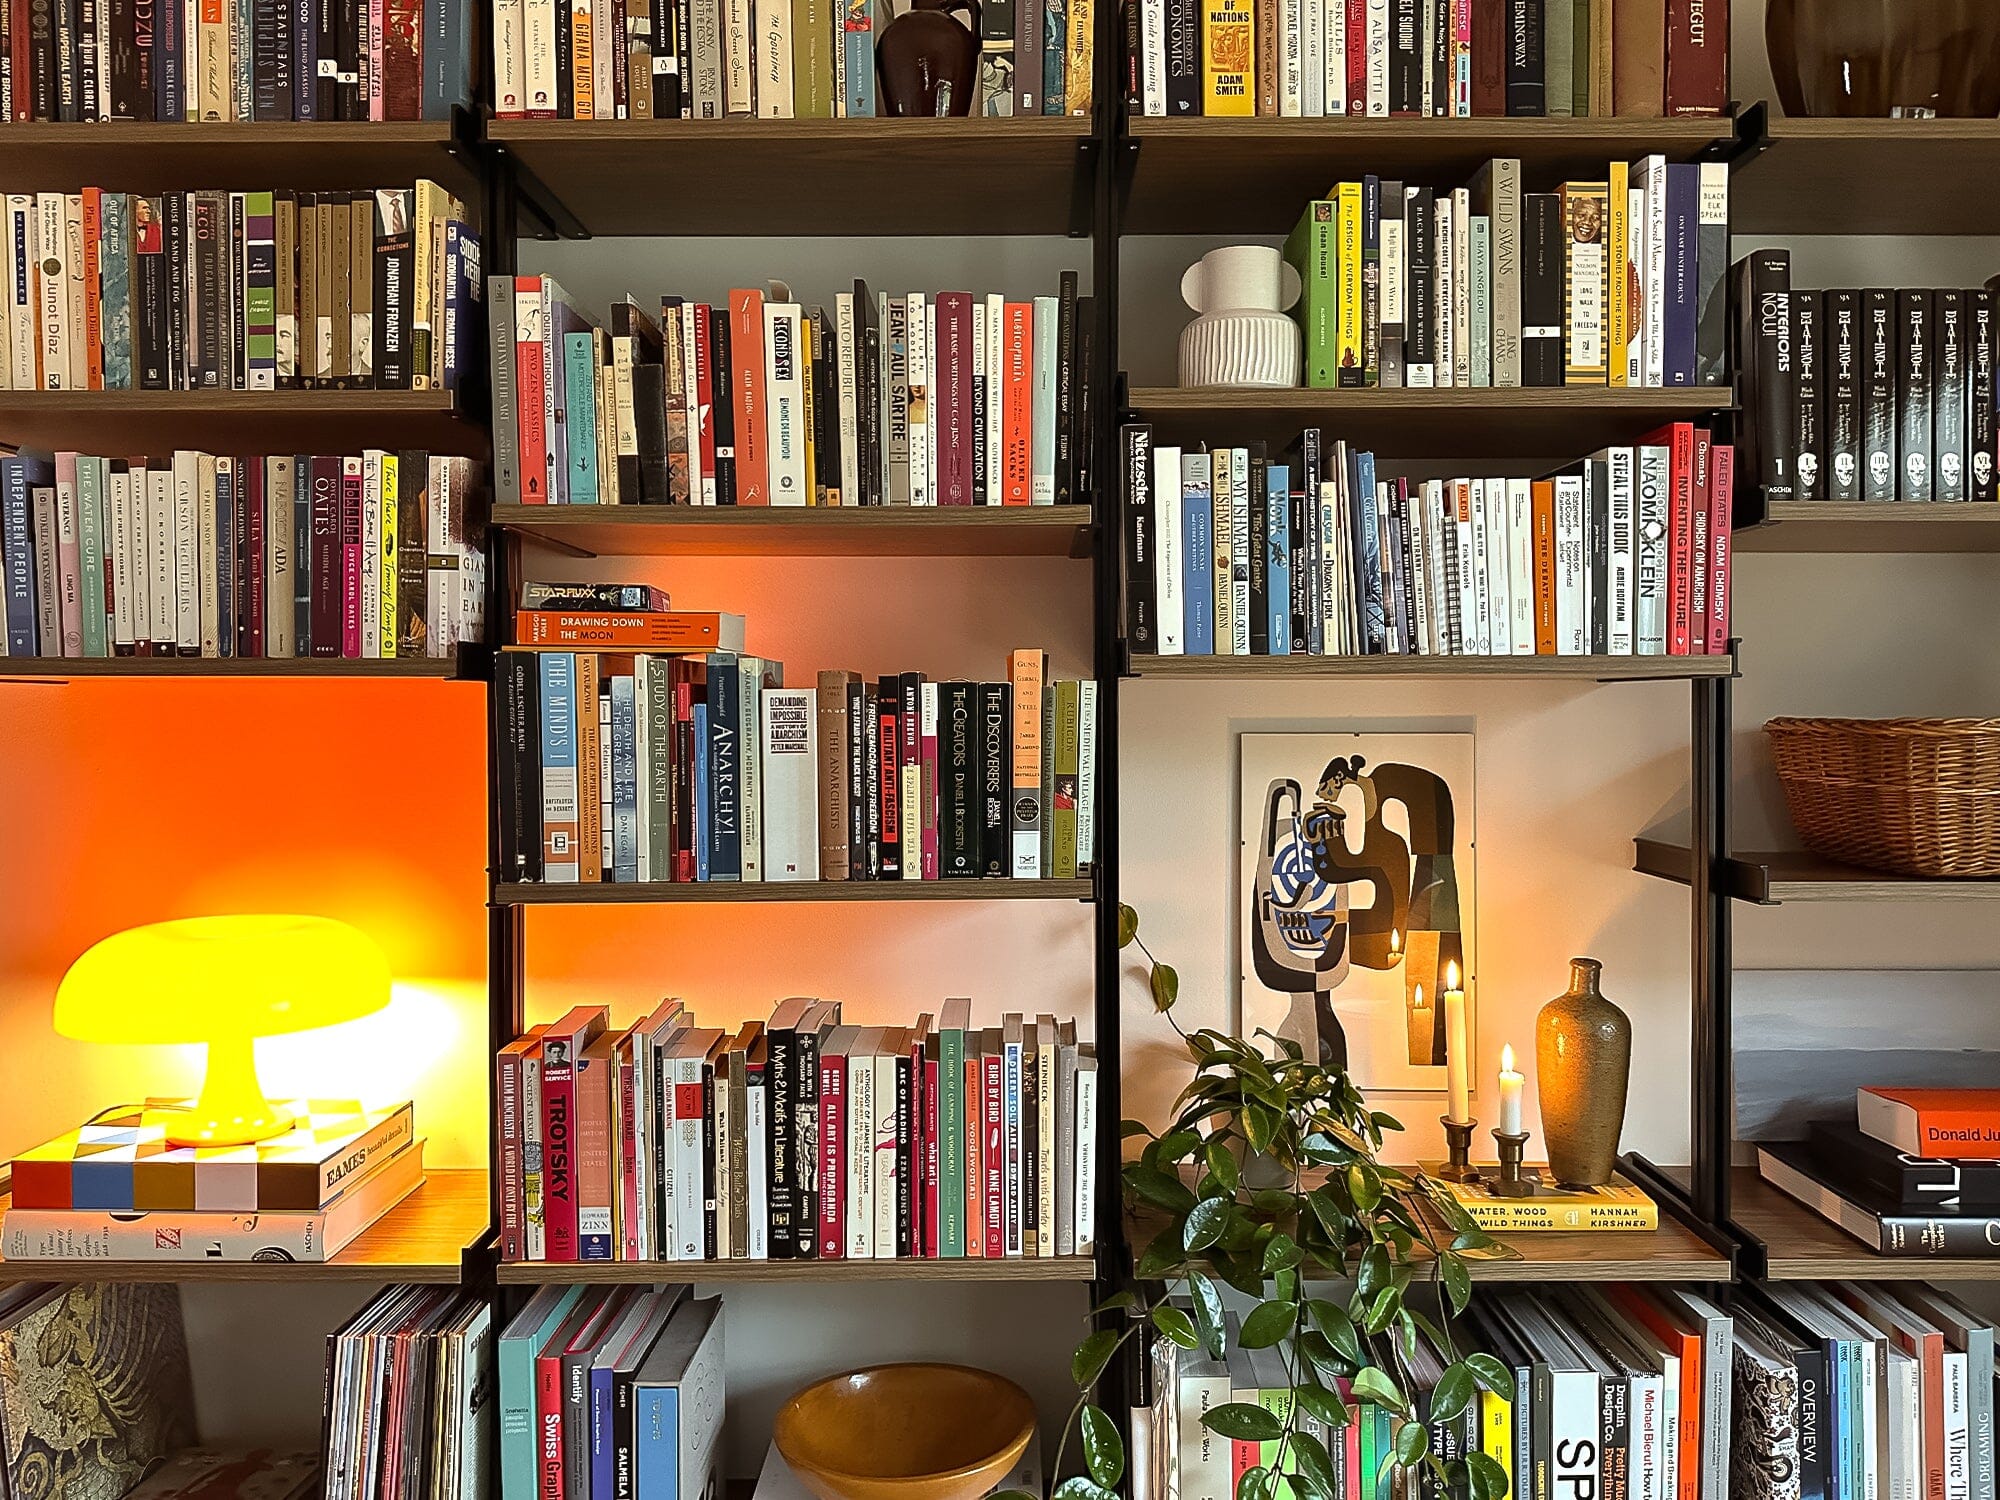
[
  {"x": 1055, "y": 42},
  {"x": 1683, "y": 291},
  {"x": 90, "y": 552},
  {"x": 559, "y": 788},
  {"x": 602, "y": 1480},
  {"x": 305, "y": 72},
  {"x": 624, "y": 780},
  {"x": 580, "y": 397},
  {"x": 656, "y": 1443},
  {"x": 1848, "y": 1432},
  {"x": 1368, "y": 557},
  {"x": 1198, "y": 548},
  {"x": 115, "y": 284},
  {"x": 447, "y": 70},
  {"x": 1278, "y": 558},
  {"x": 225, "y": 560},
  {"x": 859, "y": 39},
  {"x": 17, "y": 554},
  {"x": 302, "y": 556},
  {"x": 703, "y": 813},
  {"x": 725, "y": 770}
]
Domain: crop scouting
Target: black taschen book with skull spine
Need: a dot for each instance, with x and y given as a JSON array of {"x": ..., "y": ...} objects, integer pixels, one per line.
[{"x": 1763, "y": 357}]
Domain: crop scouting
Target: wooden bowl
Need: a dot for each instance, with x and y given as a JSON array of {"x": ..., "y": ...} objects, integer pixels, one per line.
[{"x": 905, "y": 1432}]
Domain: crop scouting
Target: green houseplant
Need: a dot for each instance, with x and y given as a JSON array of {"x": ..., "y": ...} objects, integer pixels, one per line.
[{"x": 1336, "y": 1215}]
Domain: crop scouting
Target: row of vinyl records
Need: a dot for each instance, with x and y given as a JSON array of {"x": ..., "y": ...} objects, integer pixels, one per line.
[
  {"x": 1626, "y": 552},
  {"x": 243, "y": 291},
  {"x": 680, "y": 766},
  {"x": 1618, "y": 281},
  {"x": 1790, "y": 1391},
  {"x": 370, "y": 555},
  {"x": 409, "y": 1407},
  {"x": 775, "y": 59},
  {"x": 263, "y": 60},
  {"x": 797, "y": 1138},
  {"x": 951, "y": 399},
  {"x": 1452, "y": 58},
  {"x": 1866, "y": 394}
]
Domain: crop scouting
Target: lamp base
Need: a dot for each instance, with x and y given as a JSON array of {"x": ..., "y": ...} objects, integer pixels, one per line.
[
  {"x": 232, "y": 1109},
  {"x": 199, "y": 1128}
]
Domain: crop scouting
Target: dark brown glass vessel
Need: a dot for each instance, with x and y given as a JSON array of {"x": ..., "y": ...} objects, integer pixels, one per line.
[{"x": 1872, "y": 58}]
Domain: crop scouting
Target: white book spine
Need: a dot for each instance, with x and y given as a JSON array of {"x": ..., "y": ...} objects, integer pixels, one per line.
[
  {"x": 774, "y": 58},
  {"x": 882, "y": 1175},
  {"x": 1085, "y": 1125},
  {"x": 1042, "y": 473},
  {"x": 1468, "y": 572},
  {"x": 1653, "y": 275},
  {"x": 1086, "y": 780},
  {"x": 846, "y": 365},
  {"x": 757, "y": 1126},
  {"x": 1482, "y": 580},
  {"x": 642, "y": 762},
  {"x": 1328, "y": 573},
  {"x": 162, "y": 510},
  {"x": 1521, "y": 564},
  {"x": 1635, "y": 269},
  {"x": 1312, "y": 59},
  {"x": 1153, "y": 57},
  {"x": 1043, "y": 1060},
  {"x": 645, "y": 1129},
  {"x": 117, "y": 489},
  {"x": 52, "y": 300},
  {"x": 1903, "y": 1460},
  {"x": 23, "y": 267},
  {"x": 860, "y": 1166},
  {"x": 739, "y": 84},
  {"x": 1204, "y": 1462},
  {"x": 1872, "y": 1436},
  {"x": 1957, "y": 1436},
  {"x": 1168, "y": 568},
  {"x": 690, "y": 1228},
  {"x": 749, "y": 697},
  {"x": 534, "y": 1226},
  {"x": 538, "y": 49},
  {"x": 701, "y": 419},
  {"x": 187, "y": 553},
  {"x": 1291, "y": 59},
  {"x": 1500, "y": 606},
  {"x": 1647, "y": 1449},
  {"x": 509, "y": 63},
  {"x": 1333, "y": 58},
  {"x": 996, "y": 348},
  {"x": 726, "y": 1128},
  {"x": 1572, "y": 584},
  {"x": 920, "y": 409},
  {"x": 79, "y": 359},
  {"x": 372, "y": 475},
  {"x": 1649, "y": 567},
  {"x": 1014, "y": 1135},
  {"x": 1445, "y": 295},
  {"x": 1461, "y": 287},
  {"x": 1239, "y": 551},
  {"x": 1619, "y": 517},
  {"x": 785, "y": 438},
  {"x": 1443, "y": 607},
  {"x": 1574, "y": 1433},
  {"x": 791, "y": 765},
  {"x": 1669, "y": 1486},
  {"x": 607, "y": 85},
  {"x": 1377, "y": 58}
]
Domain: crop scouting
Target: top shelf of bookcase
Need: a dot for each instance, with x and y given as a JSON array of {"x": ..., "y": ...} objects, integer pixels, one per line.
[
  {"x": 1254, "y": 176},
  {"x": 1852, "y": 177},
  {"x": 131, "y": 156},
  {"x": 802, "y": 177}
]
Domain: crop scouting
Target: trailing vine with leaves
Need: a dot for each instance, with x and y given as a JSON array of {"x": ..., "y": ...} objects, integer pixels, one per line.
[{"x": 1337, "y": 1215}]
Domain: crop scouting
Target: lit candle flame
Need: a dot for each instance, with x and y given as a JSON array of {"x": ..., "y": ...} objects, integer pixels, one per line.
[
  {"x": 1395, "y": 940},
  {"x": 1507, "y": 1058},
  {"x": 1451, "y": 975},
  {"x": 1420, "y": 997}
]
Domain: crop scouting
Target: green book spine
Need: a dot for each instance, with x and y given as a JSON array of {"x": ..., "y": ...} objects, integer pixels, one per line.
[
  {"x": 1582, "y": 58},
  {"x": 1312, "y": 251},
  {"x": 1559, "y": 54},
  {"x": 1063, "y": 787},
  {"x": 951, "y": 1144},
  {"x": 812, "y": 59},
  {"x": 90, "y": 550}
]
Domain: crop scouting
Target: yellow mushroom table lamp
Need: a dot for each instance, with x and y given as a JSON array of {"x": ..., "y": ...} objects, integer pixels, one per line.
[{"x": 223, "y": 981}]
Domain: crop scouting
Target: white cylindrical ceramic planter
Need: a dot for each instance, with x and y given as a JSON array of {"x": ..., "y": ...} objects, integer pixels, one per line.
[{"x": 1243, "y": 336}]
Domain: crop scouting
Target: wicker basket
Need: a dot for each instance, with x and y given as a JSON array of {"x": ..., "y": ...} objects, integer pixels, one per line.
[{"x": 1915, "y": 796}]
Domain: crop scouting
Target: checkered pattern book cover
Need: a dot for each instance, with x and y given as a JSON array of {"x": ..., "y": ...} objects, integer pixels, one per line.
[{"x": 123, "y": 1162}]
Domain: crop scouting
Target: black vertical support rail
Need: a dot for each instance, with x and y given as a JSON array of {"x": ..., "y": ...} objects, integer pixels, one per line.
[{"x": 1709, "y": 891}]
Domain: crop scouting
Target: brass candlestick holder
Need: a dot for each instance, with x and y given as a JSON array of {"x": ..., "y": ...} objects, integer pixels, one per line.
[
  {"x": 1512, "y": 1182},
  {"x": 1458, "y": 1145}
]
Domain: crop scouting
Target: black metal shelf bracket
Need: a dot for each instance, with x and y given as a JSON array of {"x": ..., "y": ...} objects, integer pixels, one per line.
[
  {"x": 542, "y": 202},
  {"x": 1749, "y": 138}
]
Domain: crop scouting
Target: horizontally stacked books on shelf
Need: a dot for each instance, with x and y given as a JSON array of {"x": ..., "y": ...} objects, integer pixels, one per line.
[
  {"x": 1865, "y": 394},
  {"x": 951, "y": 399},
  {"x": 239, "y": 60},
  {"x": 675, "y": 756},
  {"x": 1616, "y": 1206},
  {"x": 1917, "y": 1173},
  {"x": 1450, "y": 58},
  {"x": 409, "y": 1401},
  {"x": 369, "y": 556},
  {"x": 611, "y": 1391},
  {"x": 118, "y": 1189},
  {"x": 1613, "y": 282},
  {"x": 1626, "y": 553},
  {"x": 796, "y": 1138}
]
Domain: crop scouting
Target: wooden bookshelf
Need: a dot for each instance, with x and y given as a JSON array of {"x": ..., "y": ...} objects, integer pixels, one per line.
[
  {"x": 132, "y": 155},
  {"x": 1872, "y": 526},
  {"x": 805, "y": 177},
  {"x": 1255, "y": 176},
  {"x": 1522, "y": 668},
  {"x": 832, "y": 1272},
  {"x": 157, "y": 422},
  {"x": 1443, "y": 426},
  {"x": 786, "y": 531},
  {"x": 1856, "y": 177},
  {"x": 427, "y": 1237},
  {"x": 1798, "y": 1245},
  {"x": 402, "y": 669},
  {"x": 1782, "y": 877},
  {"x": 676, "y": 893}
]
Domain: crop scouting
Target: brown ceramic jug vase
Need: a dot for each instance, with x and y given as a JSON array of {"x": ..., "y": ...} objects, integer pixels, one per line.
[
  {"x": 927, "y": 62},
  {"x": 1583, "y": 1061},
  {"x": 1866, "y": 58}
]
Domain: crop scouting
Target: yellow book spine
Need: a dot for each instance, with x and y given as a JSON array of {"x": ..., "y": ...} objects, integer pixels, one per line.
[
  {"x": 1082, "y": 51},
  {"x": 1618, "y": 274},
  {"x": 1227, "y": 49},
  {"x": 815, "y": 495},
  {"x": 1496, "y": 1431},
  {"x": 392, "y": 487},
  {"x": 1583, "y": 205},
  {"x": 1348, "y": 224}
]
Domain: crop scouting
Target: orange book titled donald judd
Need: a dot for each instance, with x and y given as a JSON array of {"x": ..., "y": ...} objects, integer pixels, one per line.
[
  {"x": 628, "y": 630},
  {"x": 1948, "y": 1123}
]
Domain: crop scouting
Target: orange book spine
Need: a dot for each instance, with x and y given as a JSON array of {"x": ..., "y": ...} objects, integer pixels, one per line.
[
  {"x": 93, "y": 302},
  {"x": 596, "y": 1227},
  {"x": 1544, "y": 492},
  {"x": 589, "y": 767},
  {"x": 746, "y": 364},
  {"x": 681, "y": 630},
  {"x": 1017, "y": 402}
]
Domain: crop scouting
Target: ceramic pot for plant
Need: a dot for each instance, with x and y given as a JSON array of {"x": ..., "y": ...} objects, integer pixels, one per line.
[
  {"x": 1583, "y": 1062},
  {"x": 905, "y": 1432},
  {"x": 1876, "y": 57},
  {"x": 928, "y": 63},
  {"x": 1243, "y": 336}
]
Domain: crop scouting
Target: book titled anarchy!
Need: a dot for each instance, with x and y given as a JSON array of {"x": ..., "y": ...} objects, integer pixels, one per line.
[{"x": 1617, "y": 1205}]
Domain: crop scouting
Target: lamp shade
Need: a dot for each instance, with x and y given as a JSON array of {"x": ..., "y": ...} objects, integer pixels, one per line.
[{"x": 201, "y": 978}]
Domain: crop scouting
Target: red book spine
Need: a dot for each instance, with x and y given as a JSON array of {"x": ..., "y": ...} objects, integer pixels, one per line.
[
  {"x": 93, "y": 303},
  {"x": 975, "y": 1156},
  {"x": 250, "y": 565},
  {"x": 746, "y": 370},
  {"x": 549, "y": 1426},
  {"x": 919, "y": 1147},
  {"x": 325, "y": 557},
  {"x": 954, "y": 386},
  {"x": 19, "y": 13},
  {"x": 1698, "y": 549},
  {"x": 628, "y": 1156},
  {"x": 1680, "y": 536},
  {"x": 889, "y": 789},
  {"x": 933, "y": 1237},
  {"x": 1357, "y": 57},
  {"x": 1697, "y": 57},
  {"x": 992, "y": 1212},
  {"x": 832, "y": 1157},
  {"x": 530, "y": 395},
  {"x": 559, "y": 1153},
  {"x": 507, "y": 1096},
  {"x": 350, "y": 557},
  {"x": 1017, "y": 363},
  {"x": 684, "y": 865},
  {"x": 704, "y": 407},
  {"x": 1722, "y": 476},
  {"x": 928, "y": 753},
  {"x": 401, "y": 43}
]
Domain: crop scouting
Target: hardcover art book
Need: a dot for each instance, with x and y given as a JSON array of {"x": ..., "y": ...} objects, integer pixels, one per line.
[{"x": 1618, "y": 1205}]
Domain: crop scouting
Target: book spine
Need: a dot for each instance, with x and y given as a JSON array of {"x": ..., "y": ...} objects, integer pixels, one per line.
[
  {"x": 1915, "y": 392},
  {"x": 1697, "y": 49},
  {"x": 1807, "y": 438},
  {"x": 1981, "y": 440}
]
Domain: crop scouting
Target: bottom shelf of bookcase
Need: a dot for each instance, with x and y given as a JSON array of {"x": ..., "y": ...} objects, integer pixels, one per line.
[
  {"x": 427, "y": 1237},
  {"x": 608, "y": 1272},
  {"x": 1796, "y": 1244}
]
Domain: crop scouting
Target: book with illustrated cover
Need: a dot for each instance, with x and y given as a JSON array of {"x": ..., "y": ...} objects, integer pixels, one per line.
[{"x": 1619, "y": 1205}]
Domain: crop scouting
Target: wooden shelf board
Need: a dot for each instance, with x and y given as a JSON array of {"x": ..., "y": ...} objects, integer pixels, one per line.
[
  {"x": 423, "y": 1238},
  {"x": 1254, "y": 176},
  {"x": 1799, "y": 1245},
  {"x": 665, "y": 893},
  {"x": 841, "y": 531},
  {"x": 131, "y": 155},
  {"x": 1524, "y": 668},
  {"x": 157, "y": 422},
  {"x": 1872, "y": 526},
  {"x": 1486, "y": 422},
  {"x": 1923, "y": 178},
  {"x": 1788, "y": 876},
  {"x": 822, "y": 177},
  {"x": 60, "y": 669},
  {"x": 597, "y": 1273}
]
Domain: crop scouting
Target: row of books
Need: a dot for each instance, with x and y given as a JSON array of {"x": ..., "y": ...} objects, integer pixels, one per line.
[
  {"x": 1624, "y": 553},
  {"x": 685, "y": 759},
  {"x": 116, "y": 1189},
  {"x": 1915, "y": 1172},
  {"x": 240, "y": 291},
  {"x": 375, "y": 555},
  {"x": 1866, "y": 394},
  {"x": 261, "y": 60},
  {"x": 610, "y": 1391},
  {"x": 1449, "y": 58},
  {"x": 409, "y": 1397},
  {"x": 773, "y": 59},
  {"x": 800, "y": 1138},
  {"x": 951, "y": 399},
  {"x": 1618, "y": 281}
]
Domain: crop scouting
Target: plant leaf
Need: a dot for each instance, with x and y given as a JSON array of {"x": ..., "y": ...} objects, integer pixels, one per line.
[
  {"x": 1491, "y": 1374},
  {"x": 1177, "y": 1326},
  {"x": 1239, "y": 1419},
  {"x": 1255, "y": 1484},
  {"x": 1166, "y": 987},
  {"x": 1267, "y": 1323},
  {"x": 1372, "y": 1384},
  {"x": 1363, "y": 1187},
  {"x": 1373, "y": 1273},
  {"x": 1222, "y": 1163},
  {"x": 1333, "y": 1321},
  {"x": 1080, "y": 1488},
  {"x": 1113, "y": 1302},
  {"x": 1322, "y": 1403},
  {"x": 1282, "y": 1253},
  {"x": 1126, "y": 1130},
  {"x": 1128, "y": 925},
  {"x": 1103, "y": 1451},
  {"x": 1161, "y": 1189},
  {"x": 1261, "y": 1124},
  {"x": 1206, "y": 1222},
  {"x": 1457, "y": 1281},
  {"x": 1454, "y": 1391},
  {"x": 1176, "y": 1144},
  {"x": 1412, "y": 1442},
  {"x": 1382, "y": 1312},
  {"x": 1091, "y": 1356},
  {"x": 1489, "y": 1480},
  {"x": 1207, "y": 1311},
  {"x": 1315, "y": 1466}
]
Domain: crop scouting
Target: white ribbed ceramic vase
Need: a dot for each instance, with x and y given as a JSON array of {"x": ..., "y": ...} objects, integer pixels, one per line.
[{"x": 1243, "y": 336}]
